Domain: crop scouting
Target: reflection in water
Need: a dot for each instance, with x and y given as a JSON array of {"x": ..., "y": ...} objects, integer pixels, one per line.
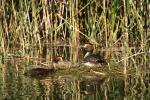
[
  {"x": 91, "y": 87},
  {"x": 87, "y": 87},
  {"x": 14, "y": 85}
]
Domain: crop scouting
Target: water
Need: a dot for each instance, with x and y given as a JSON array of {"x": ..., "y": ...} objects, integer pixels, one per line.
[{"x": 70, "y": 86}]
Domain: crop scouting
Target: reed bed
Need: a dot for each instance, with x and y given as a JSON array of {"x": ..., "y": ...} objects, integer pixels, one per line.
[{"x": 43, "y": 28}]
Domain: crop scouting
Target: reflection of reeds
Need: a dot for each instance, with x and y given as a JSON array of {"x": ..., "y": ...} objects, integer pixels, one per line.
[{"x": 43, "y": 24}]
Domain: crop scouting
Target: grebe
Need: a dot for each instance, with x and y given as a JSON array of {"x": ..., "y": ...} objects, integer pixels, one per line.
[{"x": 91, "y": 59}]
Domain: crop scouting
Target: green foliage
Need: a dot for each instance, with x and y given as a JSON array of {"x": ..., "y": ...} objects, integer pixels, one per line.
[{"x": 29, "y": 26}]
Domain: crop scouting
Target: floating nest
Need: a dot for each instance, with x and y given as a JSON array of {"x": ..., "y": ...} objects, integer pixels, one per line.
[{"x": 39, "y": 72}]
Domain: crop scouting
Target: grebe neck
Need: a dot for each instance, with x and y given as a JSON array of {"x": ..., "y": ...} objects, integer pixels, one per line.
[{"x": 87, "y": 54}]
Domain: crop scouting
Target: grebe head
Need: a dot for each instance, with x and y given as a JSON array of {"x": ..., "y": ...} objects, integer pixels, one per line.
[{"x": 88, "y": 47}]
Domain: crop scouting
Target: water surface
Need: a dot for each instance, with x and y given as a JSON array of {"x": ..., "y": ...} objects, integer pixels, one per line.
[{"x": 75, "y": 85}]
